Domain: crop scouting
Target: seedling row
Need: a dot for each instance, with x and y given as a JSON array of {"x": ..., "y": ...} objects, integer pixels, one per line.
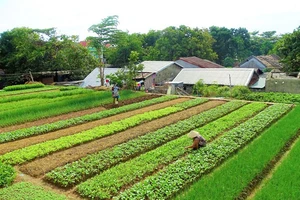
[{"x": 156, "y": 165}]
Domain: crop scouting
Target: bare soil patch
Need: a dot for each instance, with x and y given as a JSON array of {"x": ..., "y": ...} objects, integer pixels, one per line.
[
  {"x": 10, "y": 146},
  {"x": 41, "y": 166},
  {"x": 76, "y": 114}
]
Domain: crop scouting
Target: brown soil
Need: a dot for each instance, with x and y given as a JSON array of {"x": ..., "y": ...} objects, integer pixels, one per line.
[
  {"x": 75, "y": 114},
  {"x": 41, "y": 166},
  {"x": 10, "y": 146}
]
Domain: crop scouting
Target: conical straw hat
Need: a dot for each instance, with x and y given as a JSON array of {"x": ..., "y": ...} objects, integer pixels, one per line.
[{"x": 193, "y": 134}]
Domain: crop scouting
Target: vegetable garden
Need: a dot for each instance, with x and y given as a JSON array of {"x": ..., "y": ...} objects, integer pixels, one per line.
[{"x": 71, "y": 143}]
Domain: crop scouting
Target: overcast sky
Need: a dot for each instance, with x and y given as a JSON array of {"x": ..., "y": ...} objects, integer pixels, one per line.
[{"x": 74, "y": 17}]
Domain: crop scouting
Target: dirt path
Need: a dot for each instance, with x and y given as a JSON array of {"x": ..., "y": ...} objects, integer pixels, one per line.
[
  {"x": 75, "y": 114},
  {"x": 41, "y": 166},
  {"x": 10, "y": 146}
]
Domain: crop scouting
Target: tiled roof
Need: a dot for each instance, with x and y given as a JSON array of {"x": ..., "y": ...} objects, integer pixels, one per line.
[
  {"x": 84, "y": 43},
  {"x": 201, "y": 62},
  {"x": 184, "y": 64},
  {"x": 270, "y": 61}
]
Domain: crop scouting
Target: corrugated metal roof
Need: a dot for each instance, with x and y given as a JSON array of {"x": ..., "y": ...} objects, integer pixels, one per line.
[
  {"x": 93, "y": 78},
  {"x": 261, "y": 83},
  {"x": 184, "y": 64},
  {"x": 156, "y": 66},
  {"x": 220, "y": 76}
]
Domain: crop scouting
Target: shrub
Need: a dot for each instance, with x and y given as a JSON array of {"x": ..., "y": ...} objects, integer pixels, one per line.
[
  {"x": 223, "y": 91},
  {"x": 198, "y": 87},
  {"x": 239, "y": 91},
  {"x": 210, "y": 91}
]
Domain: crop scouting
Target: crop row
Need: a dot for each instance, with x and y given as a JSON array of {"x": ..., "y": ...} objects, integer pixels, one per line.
[
  {"x": 27, "y": 114},
  {"x": 9, "y": 106},
  {"x": 248, "y": 164},
  {"x": 77, "y": 171},
  {"x": 44, "y": 95},
  {"x": 284, "y": 183},
  {"x": 272, "y": 97},
  {"x": 45, "y": 128},
  {"x": 18, "y": 92},
  {"x": 28, "y": 153},
  {"x": 28, "y": 191},
  {"x": 23, "y": 86},
  {"x": 175, "y": 176},
  {"x": 7, "y": 174},
  {"x": 108, "y": 183}
]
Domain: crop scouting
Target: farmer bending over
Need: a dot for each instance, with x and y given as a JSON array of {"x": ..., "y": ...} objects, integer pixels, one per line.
[{"x": 198, "y": 140}]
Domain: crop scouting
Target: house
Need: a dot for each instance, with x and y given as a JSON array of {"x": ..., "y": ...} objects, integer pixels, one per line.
[
  {"x": 262, "y": 63},
  {"x": 157, "y": 73},
  {"x": 93, "y": 79},
  {"x": 220, "y": 76}
]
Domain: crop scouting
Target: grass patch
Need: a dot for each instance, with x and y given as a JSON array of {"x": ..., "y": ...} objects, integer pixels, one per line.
[
  {"x": 36, "y": 112},
  {"x": 285, "y": 182}
]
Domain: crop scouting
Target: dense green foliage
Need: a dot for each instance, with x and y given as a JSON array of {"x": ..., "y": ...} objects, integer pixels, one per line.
[
  {"x": 28, "y": 191},
  {"x": 275, "y": 97},
  {"x": 125, "y": 76},
  {"x": 24, "y": 49},
  {"x": 284, "y": 183},
  {"x": 7, "y": 175},
  {"x": 113, "y": 179},
  {"x": 289, "y": 49},
  {"x": 201, "y": 89},
  {"x": 177, "y": 175},
  {"x": 245, "y": 165}
]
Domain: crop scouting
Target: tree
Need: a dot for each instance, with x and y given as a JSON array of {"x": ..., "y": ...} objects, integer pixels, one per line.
[
  {"x": 240, "y": 44},
  {"x": 230, "y": 43},
  {"x": 183, "y": 42},
  {"x": 24, "y": 49},
  {"x": 223, "y": 38},
  {"x": 288, "y": 48},
  {"x": 118, "y": 54},
  {"x": 262, "y": 44},
  {"x": 105, "y": 31},
  {"x": 127, "y": 74}
]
